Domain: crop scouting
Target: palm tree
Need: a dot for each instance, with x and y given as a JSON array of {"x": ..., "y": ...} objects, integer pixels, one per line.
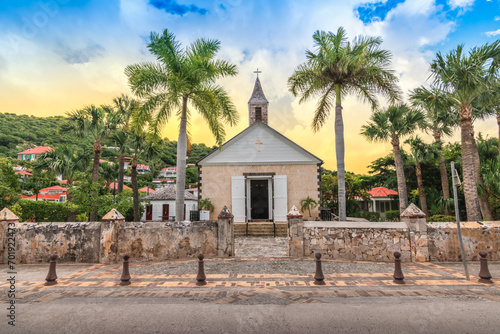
[
  {"x": 467, "y": 78},
  {"x": 421, "y": 153},
  {"x": 307, "y": 204},
  {"x": 391, "y": 125},
  {"x": 441, "y": 121},
  {"x": 109, "y": 173},
  {"x": 183, "y": 77},
  {"x": 66, "y": 161},
  {"x": 336, "y": 69},
  {"x": 94, "y": 122},
  {"x": 124, "y": 108}
]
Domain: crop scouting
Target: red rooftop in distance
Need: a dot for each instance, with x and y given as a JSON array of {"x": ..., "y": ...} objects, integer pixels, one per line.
[
  {"x": 381, "y": 192},
  {"x": 32, "y": 153}
]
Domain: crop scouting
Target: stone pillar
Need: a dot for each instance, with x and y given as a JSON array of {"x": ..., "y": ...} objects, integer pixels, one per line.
[
  {"x": 225, "y": 235},
  {"x": 295, "y": 233},
  {"x": 417, "y": 225},
  {"x": 7, "y": 220},
  {"x": 110, "y": 223}
]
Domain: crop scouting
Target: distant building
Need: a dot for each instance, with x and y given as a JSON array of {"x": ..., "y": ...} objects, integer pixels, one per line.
[
  {"x": 160, "y": 206},
  {"x": 32, "y": 153},
  {"x": 168, "y": 173},
  {"x": 381, "y": 200},
  {"x": 50, "y": 194}
]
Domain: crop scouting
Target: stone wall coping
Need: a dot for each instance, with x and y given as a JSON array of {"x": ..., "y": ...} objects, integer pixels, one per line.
[
  {"x": 472, "y": 224},
  {"x": 385, "y": 225}
]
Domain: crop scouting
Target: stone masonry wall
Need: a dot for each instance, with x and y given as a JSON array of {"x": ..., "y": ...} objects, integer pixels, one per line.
[
  {"x": 444, "y": 244},
  {"x": 354, "y": 240}
]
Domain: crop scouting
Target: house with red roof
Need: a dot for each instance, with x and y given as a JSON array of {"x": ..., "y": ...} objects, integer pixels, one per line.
[
  {"x": 147, "y": 190},
  {"x": 114, "y": 186},
  {"x": 32, "y": 153},
  {"x": 50, "y": 194},
  {"x": 168, "y": 172},
  {"x": 381, "y": 200}
]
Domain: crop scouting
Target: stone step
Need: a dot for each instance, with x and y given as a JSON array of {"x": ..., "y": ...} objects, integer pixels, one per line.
[{"x": 261, "y": 229}]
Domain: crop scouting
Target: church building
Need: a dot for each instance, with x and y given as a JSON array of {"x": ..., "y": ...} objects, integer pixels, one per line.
[{"x": 259, "y": 174}]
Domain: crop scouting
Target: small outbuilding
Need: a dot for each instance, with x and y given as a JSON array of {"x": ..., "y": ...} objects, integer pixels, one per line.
[{"x": 160, "y": 206}]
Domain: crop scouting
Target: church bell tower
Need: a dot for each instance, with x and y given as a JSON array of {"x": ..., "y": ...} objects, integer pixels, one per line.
[{"x": 258, "y": 104}]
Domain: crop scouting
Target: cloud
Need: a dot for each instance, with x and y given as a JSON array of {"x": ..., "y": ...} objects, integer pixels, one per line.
[
  {"x": 172, "y": 7},
  {"x": 81, "y": 56},
  {"x": 454, "y": 4},
  {"x": 497, "y": 18},
  {"x": 493, "y": 33}
]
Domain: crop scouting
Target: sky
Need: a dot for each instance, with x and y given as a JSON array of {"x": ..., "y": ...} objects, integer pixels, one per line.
[{"x": 61, "y": 55}]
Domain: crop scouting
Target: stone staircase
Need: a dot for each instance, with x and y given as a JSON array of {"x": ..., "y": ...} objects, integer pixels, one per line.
[{"x": 260, "y": 229}]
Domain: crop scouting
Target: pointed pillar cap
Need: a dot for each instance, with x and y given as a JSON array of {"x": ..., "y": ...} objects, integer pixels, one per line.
[
  {"x": 113, "y": 215},
  {"x": 7, "y": 215},
  {"x": 225, "y": 213},
  {"x": 294, "y": 213},
  {"x": 412, "y": 211}
]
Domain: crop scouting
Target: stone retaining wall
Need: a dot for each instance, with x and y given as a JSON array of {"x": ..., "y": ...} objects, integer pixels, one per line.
[{"x": 108, "y": 240}]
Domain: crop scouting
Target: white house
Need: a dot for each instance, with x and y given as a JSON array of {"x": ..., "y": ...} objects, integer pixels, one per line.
[{"x": 160, "y": 206}]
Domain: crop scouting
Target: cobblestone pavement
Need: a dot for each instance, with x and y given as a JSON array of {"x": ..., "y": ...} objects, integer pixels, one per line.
[
  {"x": 261, "y": 246},
  {"x": 249, "y": 281}
]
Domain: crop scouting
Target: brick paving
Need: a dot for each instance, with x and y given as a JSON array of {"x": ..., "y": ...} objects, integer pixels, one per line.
[
  {"x": 250, "y": 281},
  {"x": 261, "y": 246}
]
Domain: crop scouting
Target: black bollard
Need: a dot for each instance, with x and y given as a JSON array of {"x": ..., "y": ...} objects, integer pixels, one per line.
[
  {"x": 319, "y": 279},
  {"x": 484, "y": 272},
  {"x": 52, "y": 276},
  {"x": 399, "y": 278},
  {"x": 201, "y": 279},
  {"x": 125, "y": 279}
]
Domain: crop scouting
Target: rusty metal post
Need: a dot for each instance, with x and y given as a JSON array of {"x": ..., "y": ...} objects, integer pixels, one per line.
[
  {"x": 201, "y": 279},
  {"x": 51, "y": 278},
  {"x": 484, "y": 272},
  {"x": 125, "y": 279},
  {"x": 319, "y": 278},
  {"x": 399, "y": 278}
]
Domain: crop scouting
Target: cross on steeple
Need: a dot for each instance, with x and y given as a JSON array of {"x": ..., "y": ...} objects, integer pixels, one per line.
[
  {"x": 257, "y": 72},
  {"x": 258, "y": 142}
]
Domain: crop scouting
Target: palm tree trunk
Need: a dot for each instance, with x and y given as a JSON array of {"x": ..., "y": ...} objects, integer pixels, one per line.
[
  {"x": 421, "y": 190},
  {"x": 469, "y": 173},
  {"x": 121, "y": 172},
  {"x": 483, "y": 197},
  {"x": 95, "y": 177},
  {"x": 340, "y": 153},
  {"x": 444, "y": 175},
  {"x": 69, "y": 197},
  {"x": 135, "y": 190},
  {"x": 400, "y": 173},
  {"x": 181, "y": 164},
  {"x": 498, "y": 122}
]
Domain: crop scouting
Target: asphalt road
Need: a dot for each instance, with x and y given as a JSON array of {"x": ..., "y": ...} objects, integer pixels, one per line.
[{"x": 340, "y": 315}]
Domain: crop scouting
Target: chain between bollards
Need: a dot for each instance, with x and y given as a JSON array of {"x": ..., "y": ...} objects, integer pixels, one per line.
[
  {"x": 319, "y": 278},
  {"x": 201, "y": 278},
  {"x": 125, "y": 279},
  {"x": 399, "y": 278},
  {"x": 484, "y": 272},
  {"x": 51, "y": 278}
]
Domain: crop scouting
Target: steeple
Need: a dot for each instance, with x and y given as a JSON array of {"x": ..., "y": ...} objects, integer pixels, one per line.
[{"x": 257, "y": 105}]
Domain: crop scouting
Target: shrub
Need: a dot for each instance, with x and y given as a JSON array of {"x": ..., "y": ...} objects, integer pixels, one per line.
[
  {"x": 371, "y": 216},
  {"x": 43, "y": 211},
  {"x": 441, "y": 218},
  {"x": 392, "y": 216}
]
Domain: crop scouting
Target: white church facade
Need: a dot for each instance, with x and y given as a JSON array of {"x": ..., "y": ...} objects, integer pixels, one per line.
[{"x": 259, "y": 174}]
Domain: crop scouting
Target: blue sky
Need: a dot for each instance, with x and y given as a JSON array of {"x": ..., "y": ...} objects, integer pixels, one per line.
[{"x": 59, "y": 55}]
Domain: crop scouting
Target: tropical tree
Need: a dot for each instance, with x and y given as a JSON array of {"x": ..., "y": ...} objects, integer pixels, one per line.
[
  {"x": 467, "y": 78},
  {"x": 109, "y": 173},
  {"x": 123, "y": 108},
  {"x": 421, "y": 153},
  {"x": 183, "y": 77},
  {"x": 441, "y": 120},
  {"x": 335, "y": 69},
  {"x": 67, "y": 162},
  {"x": 392, "y": 125},
  {"x": 96, "y": 123},
  {"x": 307, "y": 204}
]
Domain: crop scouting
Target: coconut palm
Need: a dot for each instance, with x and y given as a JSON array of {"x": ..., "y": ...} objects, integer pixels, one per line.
[
  {"x": 392, "y": 125},
  {"x": 441, "y": 121},
  {"x": 421, "y": 153},
  {"x": 336, "y": 69},
  {"x": 307, "y": 204},
  {"x": 123, "y": 108},
  {"x": 467, "y": 78},
  {"x": 94, "y": 122},
  {"x": 183, "y": 77},
  {"x": 64, "y": 160}
]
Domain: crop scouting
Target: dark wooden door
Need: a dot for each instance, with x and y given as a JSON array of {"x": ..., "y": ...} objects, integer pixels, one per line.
[
  {"x": 259, "y": 199},
  {"x": 149, "y": 212},
  {"x": 164, "y": 212}
]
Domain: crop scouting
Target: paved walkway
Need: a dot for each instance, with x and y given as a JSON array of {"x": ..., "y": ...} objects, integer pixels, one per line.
[{"x": 261, "y": 246}]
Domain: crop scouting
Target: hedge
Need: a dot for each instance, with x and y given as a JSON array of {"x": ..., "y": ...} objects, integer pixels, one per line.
[{"x": 41, "y": 211}]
